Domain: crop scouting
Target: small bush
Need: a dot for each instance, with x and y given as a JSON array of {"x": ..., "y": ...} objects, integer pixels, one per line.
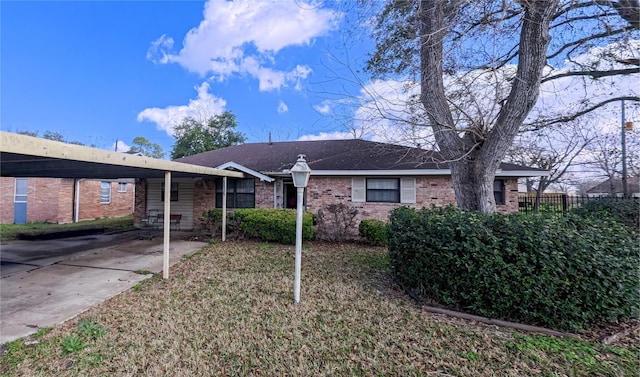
[
  {"x": 561, "y": 272},
  {"x": 213, "y": 221},
  {"x": 336, "y": 222},
  {"x": 626, "y": 211},
  {"x": 273, "y": 225},
  {"x": 373, "y": 232}
]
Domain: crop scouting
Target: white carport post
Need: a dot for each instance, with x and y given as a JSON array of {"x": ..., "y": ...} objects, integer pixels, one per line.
[
  {"x": 166, "y": 221},
  {"x": 224, "y": 208}
]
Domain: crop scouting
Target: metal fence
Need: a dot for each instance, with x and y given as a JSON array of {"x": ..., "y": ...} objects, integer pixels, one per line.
[{"x": 555, "y": 203}]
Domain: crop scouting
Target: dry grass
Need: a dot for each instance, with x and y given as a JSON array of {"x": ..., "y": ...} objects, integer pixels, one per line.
[{"x": 229, "y": 311}]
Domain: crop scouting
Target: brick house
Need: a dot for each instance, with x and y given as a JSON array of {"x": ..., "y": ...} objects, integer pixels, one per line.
[
  {"x": 613, "y": 187},
  {"x": 63, "y": 200},
  {"x": 372, "y": 177}
]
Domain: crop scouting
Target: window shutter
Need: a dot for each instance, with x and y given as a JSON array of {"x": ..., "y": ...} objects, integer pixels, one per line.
[
  {"x": 407, "y": 190},
  {"x": 358, "y": 190}
]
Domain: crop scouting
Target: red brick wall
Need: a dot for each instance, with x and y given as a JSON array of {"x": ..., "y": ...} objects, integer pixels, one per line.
[
  {"x": 204, "y": 199},
  {"x": 7, "y": 190},
  {"x": 90, "y": 207},
  {"x": 429, "y": 190},
  {"x": 140, "y": 206},
  {"x": 331, "y": 190},
  {"x": 52, "y": 200},
  {"x": 264, "y": 194},
  {"x": 42, "y": 199}
]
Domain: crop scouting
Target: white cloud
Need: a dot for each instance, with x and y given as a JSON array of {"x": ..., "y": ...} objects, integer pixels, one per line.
[
  {"x": 384, "y": 109},
  {"x": 282, "y": 108},
  {"x": 324, "y": 108},
  {"x": 243, "y": 36},
  {"x": 157, "y": 51},
  {"x": 120, "y": 146},
  {"x": 327, "y": 136},
  {"x": 203, "y": 107}
]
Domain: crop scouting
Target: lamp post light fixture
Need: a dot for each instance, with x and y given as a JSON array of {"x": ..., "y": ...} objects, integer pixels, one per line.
[{"x": 300, "y": 173}]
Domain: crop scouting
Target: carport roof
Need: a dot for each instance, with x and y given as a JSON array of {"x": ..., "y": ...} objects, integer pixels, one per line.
[{"x": 27, "y": 156}]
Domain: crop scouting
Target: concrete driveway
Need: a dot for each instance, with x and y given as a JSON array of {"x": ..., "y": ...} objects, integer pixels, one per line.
[{"x": 45, "y": 283}]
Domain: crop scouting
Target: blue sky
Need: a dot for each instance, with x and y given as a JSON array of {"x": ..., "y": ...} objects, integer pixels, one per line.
[
  {"x": 97, "y": 71},
  {"x": 101, "y": 71}
]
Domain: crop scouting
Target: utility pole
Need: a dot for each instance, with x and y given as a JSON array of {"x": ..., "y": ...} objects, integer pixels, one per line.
[{"x": 625, "y": 184}]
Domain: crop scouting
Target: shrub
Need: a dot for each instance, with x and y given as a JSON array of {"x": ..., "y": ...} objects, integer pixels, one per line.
[
  {"x": 213, "y": 221},
  {"x": 561, "y": 272},
  {"x": 273, "y": 225},
  {"x": 626, "y": 211},
  {"x": 373, "y": 232},
  {"x": 336, "y": 222}
]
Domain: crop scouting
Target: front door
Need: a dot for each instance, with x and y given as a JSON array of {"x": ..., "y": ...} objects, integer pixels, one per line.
[
  {"x": 290, "y": 195},
  {"x": 20, "y": 201}
]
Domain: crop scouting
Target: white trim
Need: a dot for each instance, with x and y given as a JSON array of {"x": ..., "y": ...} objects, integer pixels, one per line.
[
  {"x": 407, "y": 190},
  {"x": 358, "y": 190},
  {"x": 245, "y": 169},
  {"x": 15, "y": 191},
  {"x": 419, "y": 172},
  {"x": 109, "y": 187}
]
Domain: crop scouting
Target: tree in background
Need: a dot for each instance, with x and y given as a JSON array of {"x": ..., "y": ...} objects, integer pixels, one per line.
[
  {"x": 559, "y": 150},
  {"x": 193, "y": 136},
  {"x": 50, "y": 135},
  {"x": 604, "y": 155},
  {"x": 146, "y": 148},
  {"x": 480, "y": 66}
]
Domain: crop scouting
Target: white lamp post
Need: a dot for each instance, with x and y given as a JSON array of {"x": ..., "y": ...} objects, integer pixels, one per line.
[{"x": 300, "y": 173}]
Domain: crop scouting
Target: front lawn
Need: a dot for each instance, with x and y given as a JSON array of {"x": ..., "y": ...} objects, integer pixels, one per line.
[
  {"x": 229, "y": 311},
  {"x": 9, "y": 232}
]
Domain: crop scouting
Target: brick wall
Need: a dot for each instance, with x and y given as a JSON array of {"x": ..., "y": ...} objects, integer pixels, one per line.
[
  {"x": 7, "y": 190},
  {"x": 140, "y": 206},
  {"x": 204, "y": 199},
  {"x": 65, "y": 200},
  {"x": 332, "y": 190},
  {"x": 264, "y": 194},
  {"x": 429, "y": 190},
  {"x": 42, "y": 199},
  {"x": 90, "y": 207}
]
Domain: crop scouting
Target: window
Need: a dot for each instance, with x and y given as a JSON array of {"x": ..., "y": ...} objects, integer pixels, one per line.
[
  {"x": 105, "y": 192},
  {"x": 384, "y": 190},
  {"x": 240, "y": 193},
  {"x": 498, "y": 191},
  {"x": 122, "y": 187},
  {"x": 21, "y": 190},
  {"x": 173, "y": 194}
]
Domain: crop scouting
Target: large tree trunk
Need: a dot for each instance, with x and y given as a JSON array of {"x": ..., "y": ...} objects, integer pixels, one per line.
[
  {"x": 475, "y": 154},
  {"x": 473, "y": 185}
]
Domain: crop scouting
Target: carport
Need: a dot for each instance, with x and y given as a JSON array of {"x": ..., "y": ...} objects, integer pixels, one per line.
[{"x": 24, "y": 156}]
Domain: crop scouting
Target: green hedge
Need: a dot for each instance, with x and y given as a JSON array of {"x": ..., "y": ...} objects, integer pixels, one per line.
[
  {"x": 565, "y": 273},
  {"x": 273, "y": 225},
  {"x": 626, "y": 211},
  {"x": 373, "y": 232}
]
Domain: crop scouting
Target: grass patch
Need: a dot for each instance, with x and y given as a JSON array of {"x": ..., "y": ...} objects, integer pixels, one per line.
[
  {"x": 10, "y": 232},
  {"x": 232, "y": 313}
]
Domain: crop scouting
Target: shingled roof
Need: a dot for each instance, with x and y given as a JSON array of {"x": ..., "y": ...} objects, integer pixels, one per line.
[
  {"x": 605, "y": 187},
  {"x": 329, "y": 155}
]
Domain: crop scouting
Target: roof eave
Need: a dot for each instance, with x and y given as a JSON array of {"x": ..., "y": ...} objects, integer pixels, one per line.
[{"x": 414, "y": 172}]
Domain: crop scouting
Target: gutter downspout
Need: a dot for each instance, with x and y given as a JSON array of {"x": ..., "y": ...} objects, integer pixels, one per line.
[{"x": 76, "y": 209}]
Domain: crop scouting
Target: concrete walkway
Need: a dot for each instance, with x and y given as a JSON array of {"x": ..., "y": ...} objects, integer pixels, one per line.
[{"x": 45, "y": 283}]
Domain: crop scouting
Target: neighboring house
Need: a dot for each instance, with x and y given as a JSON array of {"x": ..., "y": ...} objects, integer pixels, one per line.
[
  {"x": 613, "y": 187},
  {"x": 63, "y": 200},
  {"x": 372, "y": 177}
]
